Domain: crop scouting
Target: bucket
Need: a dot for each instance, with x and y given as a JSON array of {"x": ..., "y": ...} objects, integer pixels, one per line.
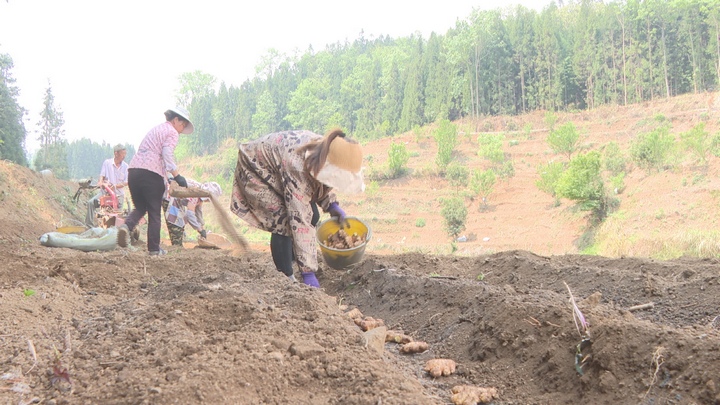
[{"x": 340, "y": 259}]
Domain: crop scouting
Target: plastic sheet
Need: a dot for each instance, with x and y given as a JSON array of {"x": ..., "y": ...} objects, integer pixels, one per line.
[{"x": 92, "y": 240}]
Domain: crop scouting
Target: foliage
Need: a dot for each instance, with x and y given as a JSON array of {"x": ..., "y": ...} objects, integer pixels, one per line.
[
  {"x": 564, "y": 140},
  {"x": 457, "y": 175},
  {"x": 446, "y": 138},
  {"x": 550, "y": 173},
  {"x": 698, "y": 142},
  {"x": 52, "y": 154},
  {"x": 491, "y": 147},
  {"x": 653, "y": 150},
  {"x": 614, "y": 159},
  {"x": 455, "y": 214},
  {"x": 85, "y": 157},
  {"x": 420, "y": 222},
  {"x": 567, "y": 57},
  {"x": 582, "y": 183},
  {"x": 398, "y": 158},
  {"x": 12, "y": 128},
  {"x": 482, "y": 183},
  {"x": 550, "y": 120}
]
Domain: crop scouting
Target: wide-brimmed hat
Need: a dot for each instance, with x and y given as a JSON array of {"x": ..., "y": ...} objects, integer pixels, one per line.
[
  {"x": 189, "y": 128},
  {"x": 343, "y": 167}
]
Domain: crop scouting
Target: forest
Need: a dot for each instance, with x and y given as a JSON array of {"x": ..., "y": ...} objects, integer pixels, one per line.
[{"x": 567, "y": 57}]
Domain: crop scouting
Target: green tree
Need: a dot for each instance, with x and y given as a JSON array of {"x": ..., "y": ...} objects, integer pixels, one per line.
[
  {"x": 398, "y": 157},
  {"x": 564, "y": 140},
  {"x": 454, "y": 213},
  {"x": 310, "y": 106},
  {"x": 52, "y": 154},
  {"x": 446, "y": 138},
  {"x": 482, "y": 183},
  {"x": 12, "y": 128},
  {"x": 653, "y": 150},
  {"x": 698, "y": 142},
  {"x": 457, "y": 175},
  {"x": 193, "y": 85},
  {"x": 264, "y": 121},
  {"x": 550, "y": 173},
  {"x": 582, "y": 182}
]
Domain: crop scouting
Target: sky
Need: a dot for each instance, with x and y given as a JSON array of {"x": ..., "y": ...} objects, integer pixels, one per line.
[{"x": 113, "y": 66}]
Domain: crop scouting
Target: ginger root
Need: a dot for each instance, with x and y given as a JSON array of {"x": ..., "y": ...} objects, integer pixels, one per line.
[
  {"x": 354, "y": 313},
  {"x": 368, "y": 323},
  {"x": 438, "y": 367},
  {"x": 414, "y": 347},
  {"x": 397, "y": 337},
  {"x": 469, "y": 395}
]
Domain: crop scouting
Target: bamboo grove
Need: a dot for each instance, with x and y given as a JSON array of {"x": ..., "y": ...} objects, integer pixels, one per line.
[{"x": 505, "y": 61}]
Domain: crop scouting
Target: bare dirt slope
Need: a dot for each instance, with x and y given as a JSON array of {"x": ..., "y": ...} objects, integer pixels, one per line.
[{"x": 200, "y": 326}]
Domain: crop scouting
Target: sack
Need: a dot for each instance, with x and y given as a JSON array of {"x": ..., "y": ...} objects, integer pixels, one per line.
[{"x": 92, "y": 240}]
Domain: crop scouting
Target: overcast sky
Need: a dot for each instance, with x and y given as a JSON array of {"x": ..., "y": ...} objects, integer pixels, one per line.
[{"x": 114, "y": 66}]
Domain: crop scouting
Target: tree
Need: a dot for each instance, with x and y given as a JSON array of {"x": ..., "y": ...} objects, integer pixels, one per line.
[
  {"x": 264, "y": 121},
  {"x": 582, "y": 182},
  {"x": 446, "y": 138},
  {"x": 482, "y": 183},
  {"x": 12, "y": 129},
  {"x": 310, "y": 106},
  {"x": 194, "y": 85},
  {"x": 564, "y": 139},
  {"x": 398, "y": 157},
  {"x": 52, "y": 154},
  {"x": 455, "y": 214}
]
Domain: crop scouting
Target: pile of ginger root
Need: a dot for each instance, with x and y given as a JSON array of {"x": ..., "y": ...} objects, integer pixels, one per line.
[{"x": 461, "y": 394}]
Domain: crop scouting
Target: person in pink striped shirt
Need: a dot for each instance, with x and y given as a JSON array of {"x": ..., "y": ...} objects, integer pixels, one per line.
[{"x": 148, "y": 173}]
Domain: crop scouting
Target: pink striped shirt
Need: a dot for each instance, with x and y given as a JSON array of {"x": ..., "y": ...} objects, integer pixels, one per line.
[{"x": 157, "y": 150}]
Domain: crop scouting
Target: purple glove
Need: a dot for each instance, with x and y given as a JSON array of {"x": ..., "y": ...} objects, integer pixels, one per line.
[
  {"x": 335, "y": 211},
  {"x": 310, "y": 279}
]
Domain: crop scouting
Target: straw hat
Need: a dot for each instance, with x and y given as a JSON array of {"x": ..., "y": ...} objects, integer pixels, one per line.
[
  {"x": 343, "y": 167},
  {"x": 189, "y": 128}
]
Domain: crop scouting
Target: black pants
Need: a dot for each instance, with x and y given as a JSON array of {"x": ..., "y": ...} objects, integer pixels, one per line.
[
  {"x": 281, "y": 247},
  {"x": 147, "y": 189}
]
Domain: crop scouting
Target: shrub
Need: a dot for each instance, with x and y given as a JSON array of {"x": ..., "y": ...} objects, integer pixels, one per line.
[
  {"x": 455, "y": 215},
  {"x": 491, "y": 147},
  {"x": 698, "y": 142},
  {"x": 564, "y": 140},
  {"x": 457, "y": 175},
  {"x": 420, "y": 222},
  {"x": 582, "y": 182},
  {"x": 653, "y": 150},
  {"x": 398, "y": 157},
  {"x": 482, "y": 184},
  {"x": 614, "y": 160},
  {"x": 446, "y": 137},
  {"x": 549, "y": 175}
]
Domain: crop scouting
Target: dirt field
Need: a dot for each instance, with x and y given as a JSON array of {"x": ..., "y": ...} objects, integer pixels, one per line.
[{"x": 199, "y": 326}]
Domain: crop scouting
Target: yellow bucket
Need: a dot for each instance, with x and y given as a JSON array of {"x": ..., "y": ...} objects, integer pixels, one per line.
[{"x": 339, "y": 259}]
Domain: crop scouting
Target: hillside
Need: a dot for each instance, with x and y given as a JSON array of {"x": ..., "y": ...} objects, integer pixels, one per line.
[{"x": 200, "y": 326}]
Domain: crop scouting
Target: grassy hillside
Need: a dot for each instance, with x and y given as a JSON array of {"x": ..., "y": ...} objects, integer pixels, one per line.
[{"x": 663, "y": 212}]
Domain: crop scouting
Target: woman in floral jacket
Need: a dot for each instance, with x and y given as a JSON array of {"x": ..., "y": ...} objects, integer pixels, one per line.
[{"x": 280, "y": 181}]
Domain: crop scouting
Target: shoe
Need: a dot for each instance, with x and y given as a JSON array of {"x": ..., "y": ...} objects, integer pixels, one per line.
[
  {"x": 292, "y": 278},
  {"x": 122, "y": 235},
  {"x": 160, "y": 252}
]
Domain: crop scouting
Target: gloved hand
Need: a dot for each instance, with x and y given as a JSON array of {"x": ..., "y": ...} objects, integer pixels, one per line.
[
  {"x": 310, "y": 279},
  {"x": 180, "y": 180},
  {"x": 203, "y": 234},
  {"x": 335, "y": 211}
]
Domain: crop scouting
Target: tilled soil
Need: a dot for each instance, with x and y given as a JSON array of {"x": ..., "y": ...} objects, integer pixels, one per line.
[{"x": 199, "y": 326}]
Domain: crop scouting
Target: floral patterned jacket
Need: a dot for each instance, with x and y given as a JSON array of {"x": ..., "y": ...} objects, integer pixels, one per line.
[{"x": 272, "y": 191}]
